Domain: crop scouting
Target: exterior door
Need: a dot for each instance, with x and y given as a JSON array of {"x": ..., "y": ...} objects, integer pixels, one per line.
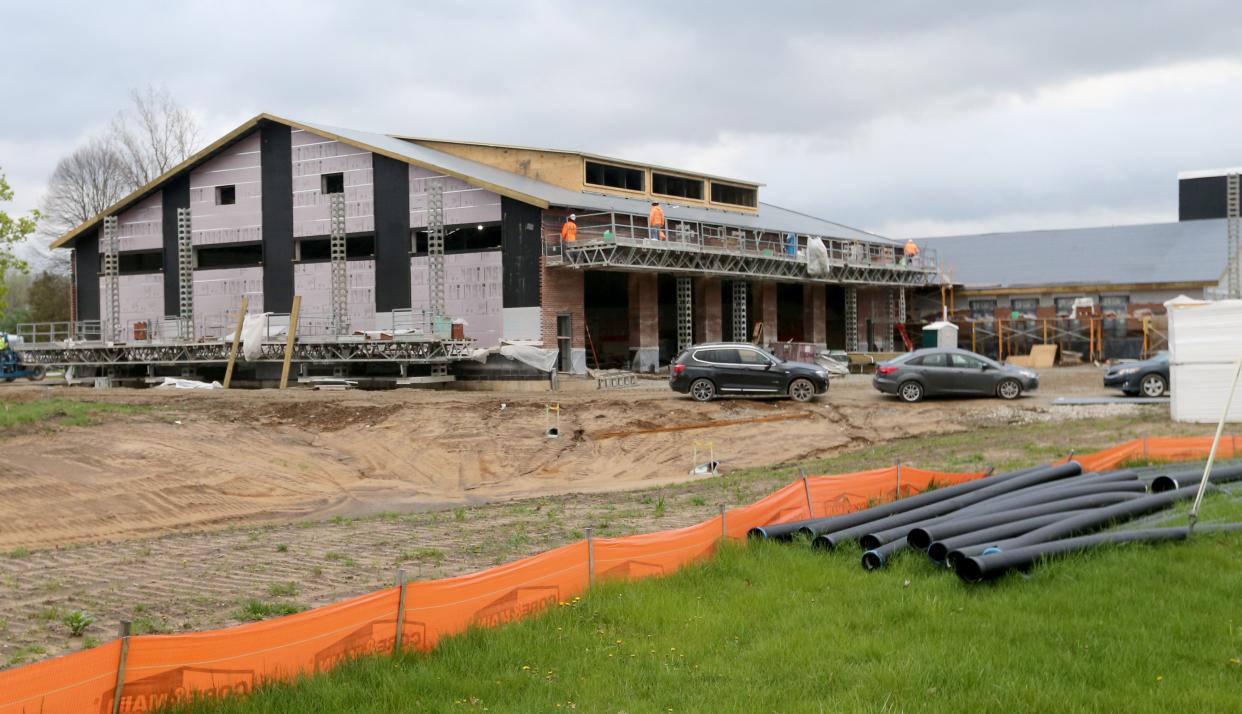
[{"x": 564, "y": 342}]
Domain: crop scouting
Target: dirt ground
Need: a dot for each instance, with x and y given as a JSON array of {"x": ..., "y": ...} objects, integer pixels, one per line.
[{"x": 174, "y": 515}]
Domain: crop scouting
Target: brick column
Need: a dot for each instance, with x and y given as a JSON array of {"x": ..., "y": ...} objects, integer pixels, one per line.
[
  {"x": 707, "y": 313},
  {"x": 814, "y": 315},
  {"x": 561, "y": 292},
  {"x": 644, "y": 311},
  {"x": 765, "y": 310}
]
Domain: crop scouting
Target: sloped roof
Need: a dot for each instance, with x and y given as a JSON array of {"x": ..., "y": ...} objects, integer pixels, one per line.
[
  {"x": 1186, "y": 251},
  {"x": 505, "y": 183}
]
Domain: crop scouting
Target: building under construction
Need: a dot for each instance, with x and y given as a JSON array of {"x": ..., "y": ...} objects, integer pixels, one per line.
[{"x": 407, "y": 255}]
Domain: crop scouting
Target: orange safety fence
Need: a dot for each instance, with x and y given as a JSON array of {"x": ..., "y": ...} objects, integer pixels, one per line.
[
  {"x": 1180, "y": 448},
  {"x": 159, "y": 669}
]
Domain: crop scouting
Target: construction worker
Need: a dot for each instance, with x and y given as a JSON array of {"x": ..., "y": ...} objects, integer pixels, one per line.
[
  {"x": 569, "y": 231},
  {"x": 655, "y": 222},
  {"x": 912, "y": 252}
]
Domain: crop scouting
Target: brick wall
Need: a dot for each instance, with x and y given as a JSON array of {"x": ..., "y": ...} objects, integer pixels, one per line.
[
  {"x": 765, "y": 310},
  {"x": 644, "y": 310},
  {"x": 814, "y": 317},
  {"x": 707, "y": 311},
  {"x": 561, "y": 292}
]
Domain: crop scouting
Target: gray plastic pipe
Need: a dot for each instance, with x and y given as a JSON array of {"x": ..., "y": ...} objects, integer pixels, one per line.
[
  {"x": 1075, "y": 525},
  {"x": 815, "y": 526},
  {"x": 922, "y": 536},
  {"x": 1040, "y": 475},
  {"x": 1182, "y": 479},
  {"x": 985, "y": 567},
  {"x": 1051, "y": 499},
  {"x": 939, "y": 550}
]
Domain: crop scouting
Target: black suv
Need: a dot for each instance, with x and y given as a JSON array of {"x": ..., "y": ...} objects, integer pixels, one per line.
[{"x": 718, "y": 368}]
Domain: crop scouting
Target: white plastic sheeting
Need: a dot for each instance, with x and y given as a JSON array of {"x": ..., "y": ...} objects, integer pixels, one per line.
[
  {"x": 537, "y": 357},
  {"x": 816, "y": 258},
  {"x": 1205, "y": 344},
  {"x": 175, "y": 383},
  {"x": 254, "y": 329}
]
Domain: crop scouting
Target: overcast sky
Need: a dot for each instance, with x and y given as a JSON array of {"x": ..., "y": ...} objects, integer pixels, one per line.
[{"x": 906, "y": 118}]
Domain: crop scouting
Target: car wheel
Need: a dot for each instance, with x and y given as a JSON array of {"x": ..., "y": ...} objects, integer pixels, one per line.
[
  {"x": 801, "y": 390},
  {"x": 1009, "y": 389},
  {"x": 1153, "y": 385},
  {"x": 910, "y": 391},
  {"x": 703, "y": 390}
]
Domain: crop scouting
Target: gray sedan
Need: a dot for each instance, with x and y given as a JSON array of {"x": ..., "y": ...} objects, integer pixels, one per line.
[{"x": 939, "y": 371}]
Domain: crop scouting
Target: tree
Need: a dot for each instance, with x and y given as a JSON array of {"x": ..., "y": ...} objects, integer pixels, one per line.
[
  {"x": 48, "y": 297},
  {"x": 146, "y": 140},
  {"x": 84, "y": 183},
  {"x": 12, "y": 232},
  {"x": 153, "y": 136}
]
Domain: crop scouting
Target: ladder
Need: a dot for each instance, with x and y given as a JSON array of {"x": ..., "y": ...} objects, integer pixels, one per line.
[{"x": 591, "y": 343}]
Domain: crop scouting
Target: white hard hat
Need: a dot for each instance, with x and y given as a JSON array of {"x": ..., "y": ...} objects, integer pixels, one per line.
[{"x": 572, "y": 217}]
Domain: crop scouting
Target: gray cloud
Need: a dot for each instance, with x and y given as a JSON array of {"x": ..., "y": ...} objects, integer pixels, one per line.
[{"x": 899, "y": 116}]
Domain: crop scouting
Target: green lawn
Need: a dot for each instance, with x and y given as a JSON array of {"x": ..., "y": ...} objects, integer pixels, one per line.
[
  {"x": 781, "y": 628},
  {"x": 65, "y": 412}
]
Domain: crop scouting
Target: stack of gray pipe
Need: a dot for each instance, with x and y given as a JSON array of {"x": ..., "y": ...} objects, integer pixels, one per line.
[{"x": 987, "y": 527}]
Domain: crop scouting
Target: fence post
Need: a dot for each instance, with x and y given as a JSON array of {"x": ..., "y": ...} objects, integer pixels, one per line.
[
  {"x": 1146, "y": 456},
  {"x": 396, "y": 645},
  {"x": 590, "y": 558},
  {"x": 724, "y": 524},
  {"x": 898, "y": 482},
  {"x": 120, "y": 667},
  {"x": 806, "y": 485}
]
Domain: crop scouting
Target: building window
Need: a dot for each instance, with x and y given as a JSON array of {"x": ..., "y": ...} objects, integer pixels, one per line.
[
  {"x": 315, "y": 250},
  {"x": 229, "y": 255},
  {"x": 1065, "y": 306},
  {"x": 226, "y": 195},
  {"x": 1116, "y": 309},
  {"x": 1026, "y": 308},
  {"x": 468, "y": 238},
  {"x": 982, "y": 309},
  {"x": 615, "y": 176},
  {"x": 137, "y": 262},
  {"x": 677, "y": 186},
  {"x": 734, "y": 195},
  {"x": 332, "y": 183}
]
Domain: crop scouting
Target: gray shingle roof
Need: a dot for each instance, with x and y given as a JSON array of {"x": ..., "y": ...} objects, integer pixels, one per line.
[{"x": 1187, "y": 251}]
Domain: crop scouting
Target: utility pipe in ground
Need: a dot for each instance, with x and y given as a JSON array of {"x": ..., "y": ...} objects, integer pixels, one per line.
[{"x": 939, "y": 550}]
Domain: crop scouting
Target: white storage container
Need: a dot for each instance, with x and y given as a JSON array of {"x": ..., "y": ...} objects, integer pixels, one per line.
[{"x": 1205, "y": 344}]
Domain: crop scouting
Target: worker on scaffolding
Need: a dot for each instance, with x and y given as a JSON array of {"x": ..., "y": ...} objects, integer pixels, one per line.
[
  {"x": 569, "y": 231},
  {"x": 912, "y": 252},
  {"x": 655, "y": 222}
]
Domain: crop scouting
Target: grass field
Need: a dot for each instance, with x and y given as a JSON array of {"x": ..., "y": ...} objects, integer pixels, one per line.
[
  {"x": 63, "y": 412},
  {"x": 782, "y": 628}
]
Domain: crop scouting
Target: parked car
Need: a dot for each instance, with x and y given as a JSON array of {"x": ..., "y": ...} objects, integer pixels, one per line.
[
  {"x": 1149, "y": 377},
  {"x": 939, "y": 371},
  {"x": 718, "y": 368}
]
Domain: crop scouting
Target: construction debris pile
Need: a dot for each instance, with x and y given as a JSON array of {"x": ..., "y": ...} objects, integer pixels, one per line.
[{"x": 985, "y": 528}]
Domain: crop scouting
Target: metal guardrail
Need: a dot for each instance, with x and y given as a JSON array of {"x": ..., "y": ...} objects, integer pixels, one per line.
[{"x": 596, "y": 229}]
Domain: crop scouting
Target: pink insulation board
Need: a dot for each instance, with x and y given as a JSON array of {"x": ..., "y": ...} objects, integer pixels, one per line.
[
  {"x": 313, "y": 156},
  {"x": 140, "y": 227},
  {"x": 142, "y": 300},
  {"x": 463, "y": 203},
  {"x": 241, "y": 222},
  {"x": 472, "y": 292},
  {"x": 217, "y": 298},
  {"x": 313, "y": 281}
]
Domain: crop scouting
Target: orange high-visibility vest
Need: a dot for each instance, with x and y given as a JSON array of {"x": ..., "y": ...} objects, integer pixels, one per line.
[
  {"x": 657, "y": 216},
  {"x": 911, "y": 249},
  {"x": 569, "y": 232}
]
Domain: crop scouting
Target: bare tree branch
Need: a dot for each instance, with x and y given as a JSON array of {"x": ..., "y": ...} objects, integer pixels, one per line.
[{"x": 154, "y": 135}]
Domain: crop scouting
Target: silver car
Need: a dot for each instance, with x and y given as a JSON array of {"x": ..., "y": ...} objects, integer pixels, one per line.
[{"x": 939, "y": 371}]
